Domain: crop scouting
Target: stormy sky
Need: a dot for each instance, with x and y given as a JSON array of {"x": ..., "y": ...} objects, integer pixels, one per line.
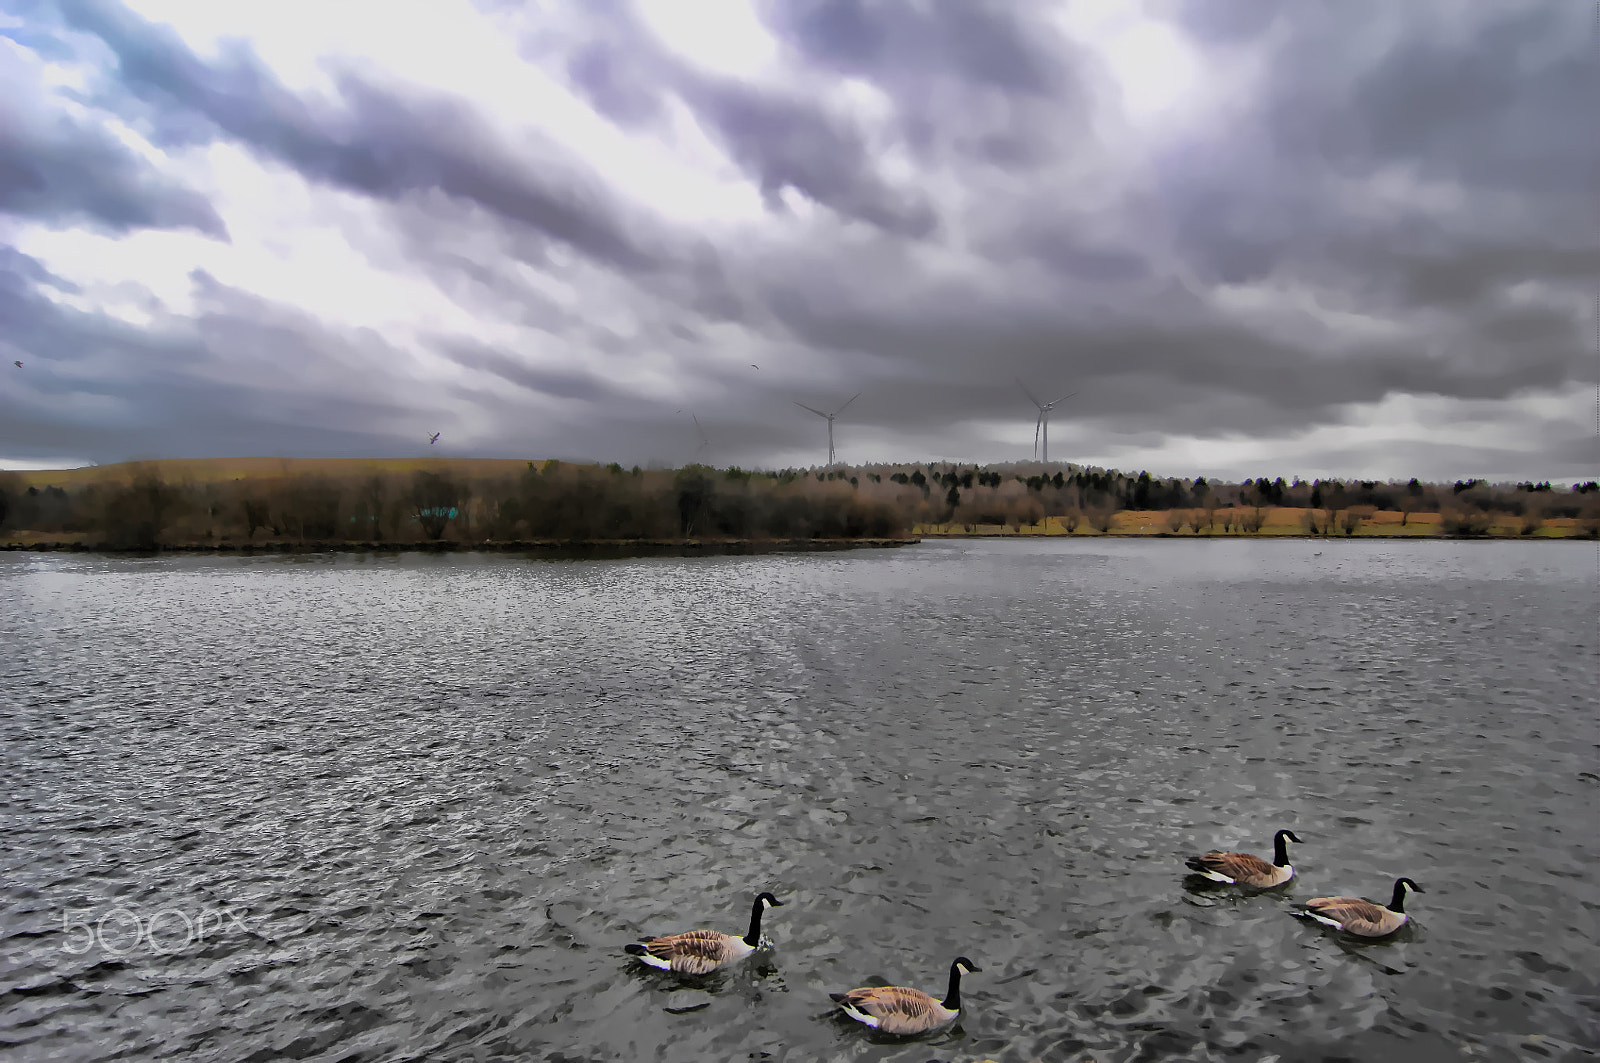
[{"x": 1353, "y": 239}]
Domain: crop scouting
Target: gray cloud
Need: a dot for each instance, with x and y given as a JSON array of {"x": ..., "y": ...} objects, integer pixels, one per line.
[
  {"x": 231, "y": 380},
  {"x": 781, "y": 138},
  {"x": 1404, "y": 187},
  {"x": 387, "y": 142},
  {"x": 62, "y": 172},
  {"x": 559, "y": 383}
]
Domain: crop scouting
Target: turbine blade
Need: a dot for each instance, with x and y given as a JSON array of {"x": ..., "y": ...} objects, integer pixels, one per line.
[
  {"x": 853, "y": 398},
  {"x": 1028, "y": 393},
  {"x": 813, "y": 409},
  {"x": 1036, "y": 425},
  {"x": 1064, "y": 398}
]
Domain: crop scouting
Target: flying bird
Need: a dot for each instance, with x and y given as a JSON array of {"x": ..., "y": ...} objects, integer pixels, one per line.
[
  {"x": 433, "y": 439},
  {"x": 17, "y": 364},
  {"x": 703, "y": 951},
  {"x": 754, "y": 366}
]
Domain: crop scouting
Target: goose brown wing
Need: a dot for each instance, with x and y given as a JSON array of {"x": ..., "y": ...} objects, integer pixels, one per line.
[
  {"x": 1353, "y": 912},
  {"x": 897, "y": 1008},
  {"x": 1238, "y": 866},
  {"x": 696, "y": 952}
]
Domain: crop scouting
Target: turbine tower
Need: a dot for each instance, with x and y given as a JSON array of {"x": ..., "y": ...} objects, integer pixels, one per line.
[
  {"x": 700, "y": 448},
  {"x": 829, "y": 418},
  {"x": 1041, "y": 427}
]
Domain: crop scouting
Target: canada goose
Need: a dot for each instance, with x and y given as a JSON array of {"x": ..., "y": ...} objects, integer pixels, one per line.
[
  {"x": 1363, "y": 918},
  {"x": 1244, "y": 869},
  {"x": 898, "y": 1010},
  {"x": 703, "y": 951}
]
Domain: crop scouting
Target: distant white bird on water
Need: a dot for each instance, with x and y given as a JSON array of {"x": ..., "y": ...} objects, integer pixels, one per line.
[
  {"x": 703, "y": 951},
  {"x": 433, "y": 439}
]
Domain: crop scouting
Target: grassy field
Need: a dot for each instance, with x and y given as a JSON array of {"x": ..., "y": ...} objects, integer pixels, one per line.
[{"x": 1280, "y": 522}]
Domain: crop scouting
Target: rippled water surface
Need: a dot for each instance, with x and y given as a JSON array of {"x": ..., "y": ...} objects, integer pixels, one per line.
[{"x": 396, "y": 808}]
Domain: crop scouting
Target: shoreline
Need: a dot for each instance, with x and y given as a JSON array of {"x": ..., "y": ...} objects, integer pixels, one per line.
[
  {"x": 543, "y": 547},
  {"x": 1262, "y": 536},
  {"x": 626, "y": 548}
]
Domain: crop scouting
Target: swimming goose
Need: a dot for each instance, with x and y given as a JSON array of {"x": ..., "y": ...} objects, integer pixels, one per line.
[
  {"x": 1363, "y": 918},
  {"x": 1244, "y": 869},
  {"x": 897, "y": 1010},
  {"x": 703, "y": 951}
]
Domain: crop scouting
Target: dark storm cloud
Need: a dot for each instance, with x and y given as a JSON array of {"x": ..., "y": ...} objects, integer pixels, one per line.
[
  {"x": 1423, "y": 166},
  {"x": 979, "y": 83},
  {"x": 985, "y": 43},
  {"x": 556, "y": 383},
  {"x": 61, "y": 171},
  {"x": 1486, "y": 103},
  {"x": 244, "y": 376},
  {"x": 386, "y": 142},
  {"x": 786, "y": 142},
  {"x": 1507, "y": 112},
  {"x": 1269, "y": 197},
  {"x": 782, "y": 138}
]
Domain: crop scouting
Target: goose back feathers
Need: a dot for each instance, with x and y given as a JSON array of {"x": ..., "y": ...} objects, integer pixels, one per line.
[
  {"x": 703, "y": 951},
  {"x": 1247, "y": 869},
  {"x": 1361, "y": 917},
  {"x": 900, "y": 1010}
]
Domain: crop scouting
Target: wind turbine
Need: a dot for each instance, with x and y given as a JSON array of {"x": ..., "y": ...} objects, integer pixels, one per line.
[
  {"x": 1042, "y": 425},
  {"x": 829, "y": 418},
  {"x": 704, "y": 442}
]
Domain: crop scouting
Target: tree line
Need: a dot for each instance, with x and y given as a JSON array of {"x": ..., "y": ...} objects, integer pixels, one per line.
[
  {"x": 136, "y": 507},
  {"x": 551, "y": 500}
]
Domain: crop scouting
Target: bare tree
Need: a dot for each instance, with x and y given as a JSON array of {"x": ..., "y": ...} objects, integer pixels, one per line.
[
  {"x": 1465, "y": 522},
  {"x": 434, "y": 501},
  {"x": 1408, "y": 505}
]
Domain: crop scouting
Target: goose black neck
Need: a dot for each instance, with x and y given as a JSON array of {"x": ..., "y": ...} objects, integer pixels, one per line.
[
  {"x": 754, "y": 937},
  {"x": 952, "y": 999},
  {"x": 1280, "y": 850},
  {"x": 1397, "y": 903}
]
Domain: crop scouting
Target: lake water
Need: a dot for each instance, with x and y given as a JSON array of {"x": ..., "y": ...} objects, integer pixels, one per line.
[{"x": 411, "y": 807}]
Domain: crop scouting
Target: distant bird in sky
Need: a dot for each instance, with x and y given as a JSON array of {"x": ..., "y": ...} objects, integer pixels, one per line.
[
  {"x": 433, "y": 439},
  {"x": 754, "y": 366},
  {"x": 17, "y": 364}
]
